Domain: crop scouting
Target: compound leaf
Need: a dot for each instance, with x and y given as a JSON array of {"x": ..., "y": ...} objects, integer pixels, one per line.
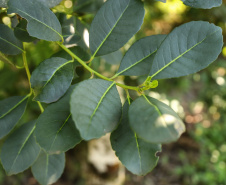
[
  {"x": 55, "y": 130},
  {"x": 95, "y": 108},
  {"x": 51, "y": 79},
  {"x": 137, "y": 155},
  {"x": 42, "y": 23},
  {"x": 154, "y": 121},
  {"x": 9, "y": 44},
  {"x": 187, "y": 49},
  {"x": 48, "y": 168},
  {"x": 11, "y": 110},
  {"x": 205, "y": 4},
  {"x": 20, "y": 150},
  {"x": 138, "y": 59},
  {"x": 114, "y": 24}
]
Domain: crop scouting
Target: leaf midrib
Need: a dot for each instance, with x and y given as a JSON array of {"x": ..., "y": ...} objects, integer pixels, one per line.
[
  {"x": 12, "y": 44},
  {"x": 138, "y": 149},
  {"x": 182, "y": 54},
  {"x": 111, "y": 30}
]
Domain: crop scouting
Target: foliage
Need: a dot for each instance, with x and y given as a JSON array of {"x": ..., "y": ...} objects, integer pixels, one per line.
[{"x": 91, "y": 108}]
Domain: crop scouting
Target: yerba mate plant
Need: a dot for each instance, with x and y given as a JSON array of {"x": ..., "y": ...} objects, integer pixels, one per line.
[{"x": 91, "y": 108}]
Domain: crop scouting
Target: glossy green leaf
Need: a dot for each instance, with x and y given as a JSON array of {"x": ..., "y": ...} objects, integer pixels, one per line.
[
  {"x": 9, "y": 44},
  {"x": 3, "y": 3},
  {"x": 51, "y": 79},
  {"x": 113, "y": 58},
  {"x": 42, "y": 23},
  {"x": 154, "y": 121},
  {"x": 50, "y": 3},
  {"x": 187, "y": 49},
  {"x": 48, "y": 168},
  {"x": 114, "y": 24},
  {"x": 139, "y": 58},
  {"x": 137, "y": 155},
  {"x": 205, "y": 4},
  {"x": 11, "y": 110},
  {"x": 55, "y": 130},
  {"x": 21, "y": 32},
  {"x": 95, "y": 108},
  {"x": 87, "y": 6},
  {"x": 20, "y": 150}
]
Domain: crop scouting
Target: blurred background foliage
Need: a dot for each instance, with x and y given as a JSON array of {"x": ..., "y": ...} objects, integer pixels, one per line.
[{"x": 199, "y": 156}]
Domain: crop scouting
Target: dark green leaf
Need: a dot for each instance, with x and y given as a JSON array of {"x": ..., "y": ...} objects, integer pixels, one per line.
[
  {"x": 55, "y": 131},
  {"x": 51, "y": 79},
  {"x": 95, "y": 108},
  {"x": 164, "y": 1},
  {"x": 113, "y": 58},
  {"x": 187, "y": 49},
  {"x": 9, "y": 44},
  {"x": 11, "y": 110},
  {"x": 137, "y": 155},
  {"x": 138, "y": 59},
  {"x": 20, "y": 150},
  {"x": 48, "y": 168},
  {"x": 205, "y": 4},
  {"x": 21, "y": 32},
  {"x": 87, "y": 6},
  {"x": 3, "y": 3},
  {"x": 50, "y": 3},
  {"x": 154, "y": 121},
  {"x": 42, "y": 23},
  {"x": 114, "y": 24}
]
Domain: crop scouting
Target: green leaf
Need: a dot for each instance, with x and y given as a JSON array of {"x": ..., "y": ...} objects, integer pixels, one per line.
[
  {"x": 55, "y": 130},
  {"x": 154, "y": 121},
  {"x": 42, "y": 23},
  {"x": 20, "y": 150},
  {"x": 95, "y": 108},
  {"x": 50, "y": 3},
  {"x": 113, "y": 58},
  {"x": 205, "y": 4},
  {"x": 48, "y": 168},
  {"x": 9, "y": 44},
  {"x": 187, "y": 49},
  {"x": 87, "y": 6},
  {"x": 11, "y": 110},
  {"x": 139, "y": 58},
  {"x": 21, "y": 32},
  {"x": 3, "y": 4},
  {"x": 51, "y": 79},
  {"x": 114, "y": 24},
  {"x": 137, "y": 155}
]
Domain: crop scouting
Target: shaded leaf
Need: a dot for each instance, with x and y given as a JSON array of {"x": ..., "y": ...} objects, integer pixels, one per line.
[
  {"x": 164, "y": 1},
  {"x": 48, "y": 168},
  {"x": 50, "y": 3},
  {"x": 114, "y": 24},
  {"x": 9, "y": 44},
  {"x": 154, "y": 121},
  {"x": 137, "y": 155},
  {"x": 20, "y": 150},
  {"x": 205, "y": 4},
  {"x": 95, "y": 107},
  {"x": 55, "y": 129},
  {"x": 21, "y": 33},
  {"x": 51, "y": 79},
  {"x": 87, "y": 6},
  {"x": 11, "y": 110},
  {"x": 113, "y": 58},
  {"x": 139, "y": 58},
  {"x": 187, "y": 49},
  {"x": 3, "y": 3},
  {"x": 42, "y": 23}
]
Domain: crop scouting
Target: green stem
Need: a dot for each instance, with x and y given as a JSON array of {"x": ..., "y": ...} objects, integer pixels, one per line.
[
  {"x": 40, "y": 106},
  {"x": 93, "y": 71}
]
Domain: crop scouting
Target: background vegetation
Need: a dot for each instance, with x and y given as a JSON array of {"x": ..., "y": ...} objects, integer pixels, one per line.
[{"x": 199, "y": 156}]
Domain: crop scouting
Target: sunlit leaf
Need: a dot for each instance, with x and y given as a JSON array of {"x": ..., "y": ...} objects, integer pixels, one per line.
[
  {"x": 114, "y": 24},
  {"x": 51, "y": 79},
  {"x": 11, "y": 110},
  {"x": 95, "y": 108},
  {"x": 137, "y": 155},
  {"x": 187, "y": 49},
  {"x": 154, "y": 121},
  {"x": 20, "y": 150}
]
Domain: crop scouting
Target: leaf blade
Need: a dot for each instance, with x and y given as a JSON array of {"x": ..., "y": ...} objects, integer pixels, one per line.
[{"x": 205, "y": 4}]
